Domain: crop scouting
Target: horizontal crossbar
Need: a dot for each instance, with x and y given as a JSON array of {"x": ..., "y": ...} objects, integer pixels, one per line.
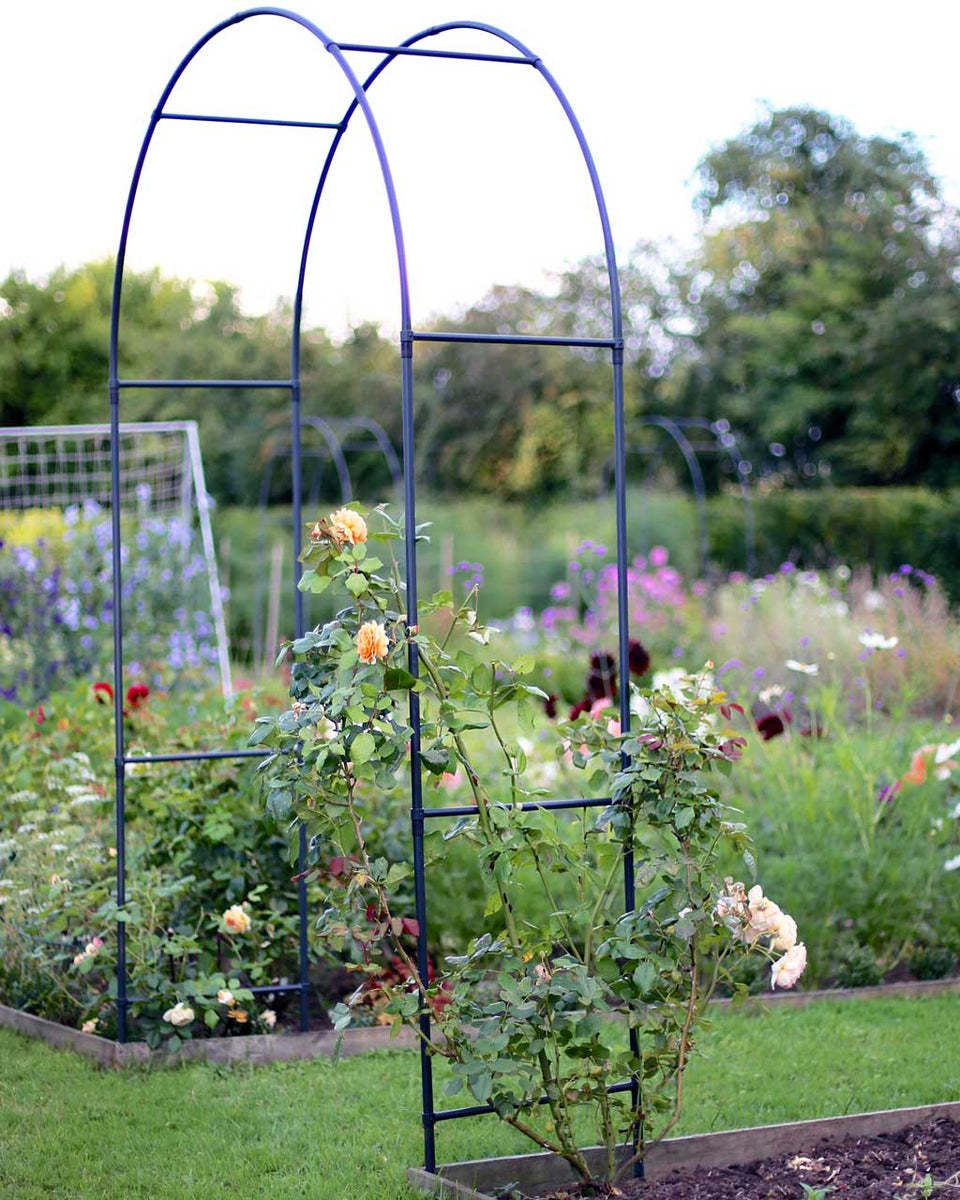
[
  {"x": 517, "y": 339},
  {"x": 470, "y": 810},
  {"x": 417, "y": 52},
  {"x": 479, "y": 1110},
  {"x": 166, "y": 116},
  {"x": 206, "y": 383},
  {"x": 193, "y": 756}
]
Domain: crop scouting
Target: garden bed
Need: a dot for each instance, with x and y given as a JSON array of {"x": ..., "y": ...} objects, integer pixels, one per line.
[
  {"x": 259, "y": 1049},
  {"x": 865, "y": 1156}
]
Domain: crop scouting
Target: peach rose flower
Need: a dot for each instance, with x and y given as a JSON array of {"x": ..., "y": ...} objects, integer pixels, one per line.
[
  {"x": 89, "y": 1026},
  {"x": 269, "y": 1018},
  {"x": 787, "y": 970},
  {"x": 236, "y": 919},
  {"x": 765, "y": 916},
  {"x": 224, "y": 996},
  {"x": 347, "y": 527},
  {"x": 371, "y": 642},
  {"x": 785, "y": 935}
]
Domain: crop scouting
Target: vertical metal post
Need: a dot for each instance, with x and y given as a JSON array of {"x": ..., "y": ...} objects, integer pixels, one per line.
[
  {"x": 623, "y": 625},
  {"x": 298, "y": 626},
  {"x": 416, "y": 779},
  {"x": 118, "y": 763}
]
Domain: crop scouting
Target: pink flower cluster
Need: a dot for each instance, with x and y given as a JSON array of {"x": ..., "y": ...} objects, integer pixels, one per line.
[{"x": 655, "y": 589}]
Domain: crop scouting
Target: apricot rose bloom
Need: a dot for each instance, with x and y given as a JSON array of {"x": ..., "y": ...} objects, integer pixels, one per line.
[
  {"x": 787, "y": 970},
  {"x": 785, "y": 934},
  {"x": 236, "y": 919},
  {"x": 371, "y": 642},
  {"x": 347, "y": 526}
]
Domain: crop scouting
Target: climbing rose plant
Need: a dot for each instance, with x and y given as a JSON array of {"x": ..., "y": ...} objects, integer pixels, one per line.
[{"x": 531, "y": 1008}]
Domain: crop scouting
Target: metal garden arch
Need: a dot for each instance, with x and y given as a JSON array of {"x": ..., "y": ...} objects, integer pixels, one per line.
[
  {"x": 521, "y": 56},
  {"x": 333, "y": 449},
  {"x": 723, "y": 442}
]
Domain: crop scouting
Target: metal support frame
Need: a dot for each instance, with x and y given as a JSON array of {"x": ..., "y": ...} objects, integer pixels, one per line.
[
  {"x": 408, "y": 337},
  {"x": 723, "y": 442},
  {"x": 334, "y": 447},
  {"x": 193, "y": 484}
]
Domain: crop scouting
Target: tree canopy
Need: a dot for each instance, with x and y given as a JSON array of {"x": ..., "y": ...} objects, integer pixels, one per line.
[{"x": 818, "y": 312}]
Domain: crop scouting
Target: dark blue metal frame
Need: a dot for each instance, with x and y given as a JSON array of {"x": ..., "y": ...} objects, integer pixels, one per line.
[
  {"x": 723, "y": 442},
  {"x": 408, "y": 337}
]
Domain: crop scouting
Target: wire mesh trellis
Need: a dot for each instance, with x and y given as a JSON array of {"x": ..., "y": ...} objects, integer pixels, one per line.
[
  {"x": 612, "y": 344},
  {"x": 160, "y": 475}
]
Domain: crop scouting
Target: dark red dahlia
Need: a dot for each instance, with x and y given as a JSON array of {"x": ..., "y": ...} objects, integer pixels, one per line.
[{"x": 639, "y": 658}]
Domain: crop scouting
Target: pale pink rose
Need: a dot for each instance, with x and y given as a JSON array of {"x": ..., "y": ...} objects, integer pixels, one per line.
[
  {"x": 598, "y": 708},
  {"x": 269, "y": 1017},
  {"x": 787, "y": 970},
  {"x": 89, "y": 1026},
  {"x": 764, "y": 914},
  {"x": 93, "y": 947},
  {"x": 785, "y": 935},
  {"x": 449, "y": 782}
]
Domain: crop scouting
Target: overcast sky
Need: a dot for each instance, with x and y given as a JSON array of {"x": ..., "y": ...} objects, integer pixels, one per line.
[{"x": 490, "y": 185}]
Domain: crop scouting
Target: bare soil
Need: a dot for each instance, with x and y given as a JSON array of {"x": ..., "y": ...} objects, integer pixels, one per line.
[{"x": 891, "y": 1166}]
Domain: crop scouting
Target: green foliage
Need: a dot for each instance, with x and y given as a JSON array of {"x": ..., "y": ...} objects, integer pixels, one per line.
[
  {"x": 195, "y": 848},
  {"x": 527, "y": 1007},
  {"x": 174, "y": 1134},
  {"x": 824, "y": 294}
]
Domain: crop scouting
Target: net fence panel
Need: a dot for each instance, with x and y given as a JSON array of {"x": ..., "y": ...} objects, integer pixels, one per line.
[
  {"x": 58, "y": 467},
  {"x": 162, "y": 494}
]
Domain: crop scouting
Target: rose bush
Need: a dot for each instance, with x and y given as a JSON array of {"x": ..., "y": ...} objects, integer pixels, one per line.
[
  {"x": 212, "y": 908},
  {"x": 527, "y": 1009}
]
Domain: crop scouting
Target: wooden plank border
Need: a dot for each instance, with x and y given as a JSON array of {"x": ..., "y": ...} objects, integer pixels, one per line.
[
  {"x": 477, "y": 1180},
  {"x": 260, "y": 1049}
]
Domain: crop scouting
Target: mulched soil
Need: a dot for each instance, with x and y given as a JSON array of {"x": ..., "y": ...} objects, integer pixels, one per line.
[{"x": 891, "y": 1166}]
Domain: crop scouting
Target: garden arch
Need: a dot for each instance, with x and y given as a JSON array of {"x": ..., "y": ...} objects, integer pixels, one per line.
[
  {"x": 722, "y": 441},
  {"x": 522, "y": 57},
  {"x": 333, "y": 448}
]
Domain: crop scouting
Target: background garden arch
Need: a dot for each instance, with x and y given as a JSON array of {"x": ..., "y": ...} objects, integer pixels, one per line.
[{"x": 522, "y": 56}]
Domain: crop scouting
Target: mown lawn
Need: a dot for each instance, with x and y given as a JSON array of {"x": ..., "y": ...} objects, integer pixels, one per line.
[{"x": 347, "y": 1132}]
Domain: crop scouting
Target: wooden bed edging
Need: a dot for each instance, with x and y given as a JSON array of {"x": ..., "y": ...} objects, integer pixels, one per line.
[
  {"x": 477, "y": 1180},
  {"x": 257, "y": 1049},
  {"x": 262, "y": 1048}
]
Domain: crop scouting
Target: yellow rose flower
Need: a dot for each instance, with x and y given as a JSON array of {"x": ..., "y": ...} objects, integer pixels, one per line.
[
  {"x": 236, "y": 919},
  {"x": 347, "y": 527},
  {"x": 238, "y": 1015},
  {"x": 371, "y": 642}
]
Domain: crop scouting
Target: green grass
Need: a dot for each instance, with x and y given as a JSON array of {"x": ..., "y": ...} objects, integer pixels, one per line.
[{"x": 347, "y": 1132}]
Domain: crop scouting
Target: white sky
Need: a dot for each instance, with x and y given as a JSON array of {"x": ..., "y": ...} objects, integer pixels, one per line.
[{"x": 490, "y": 183}]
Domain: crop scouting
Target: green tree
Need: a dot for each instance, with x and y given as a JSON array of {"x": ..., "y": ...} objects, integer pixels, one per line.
[{"x": 823, "y": 298}]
